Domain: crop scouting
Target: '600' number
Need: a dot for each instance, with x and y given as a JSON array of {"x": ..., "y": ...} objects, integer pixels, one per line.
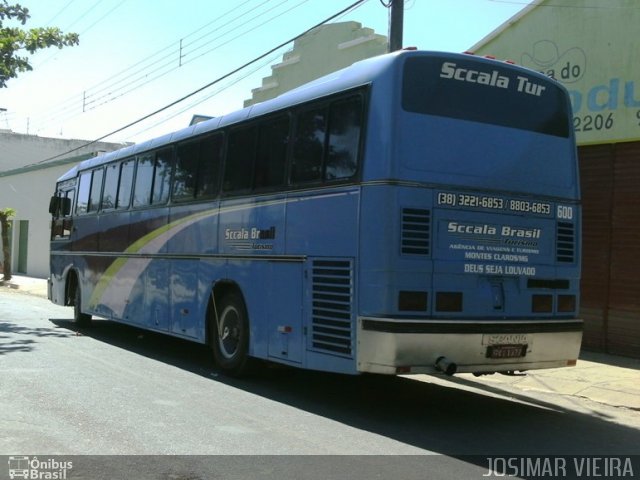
[{"x": 564, "y": 212}]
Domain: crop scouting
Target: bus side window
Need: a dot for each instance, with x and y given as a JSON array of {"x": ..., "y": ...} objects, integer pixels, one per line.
[
  {"x": 125, "y": 184},
  {"x": 162, "y": 176},
  {"x": 344, "y": 138},
  {"x": 144, "y": 181},
  {"x": 96, "y": 190},
  {"x": 153, "y": 178},
  {"x": 186, "y": 172},
  {"x": 83, "y": 193},
  {"x": 70, "y": 194},
  {"x": 110, "y": 187},
  {"x": 241, "y": 153},
  {"x": 308, "y": 149},
  {"x": 272, "y": 154},
  {"x": 210, "y": 165}
]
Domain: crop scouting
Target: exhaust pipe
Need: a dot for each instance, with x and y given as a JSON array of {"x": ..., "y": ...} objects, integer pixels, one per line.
[{"x": 446, "y": 366}]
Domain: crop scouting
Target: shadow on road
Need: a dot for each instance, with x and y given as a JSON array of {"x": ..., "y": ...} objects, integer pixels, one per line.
[
  {"x": 442, "y": 419},
  {"x": 18, "y": 338}
]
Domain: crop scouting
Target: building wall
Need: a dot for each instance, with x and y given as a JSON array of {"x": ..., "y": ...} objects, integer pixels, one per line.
[
  {"x": 19, "y": 150},
  {"x": 324, "y": 50},
  {"x": 611, "y": 250},
  {"x": 29, "y": 194},
  {"x": 593, "y": 50},
  {"x": 27, "y": 183}
]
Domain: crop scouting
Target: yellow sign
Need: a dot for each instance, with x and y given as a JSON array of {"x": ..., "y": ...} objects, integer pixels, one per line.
[{"x": 592, "y": 48}]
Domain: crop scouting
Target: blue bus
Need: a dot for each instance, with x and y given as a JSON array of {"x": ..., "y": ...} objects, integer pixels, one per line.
[{"x": 417, "y": 212}]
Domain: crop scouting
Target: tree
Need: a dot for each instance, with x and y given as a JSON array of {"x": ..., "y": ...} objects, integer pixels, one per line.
[
  {"x": 13, "y": 40},
  {"x": 5, "y": 217}
]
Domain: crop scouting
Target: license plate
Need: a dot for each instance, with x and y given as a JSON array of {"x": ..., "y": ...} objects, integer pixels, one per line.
[{"x": 506, "y": 351}]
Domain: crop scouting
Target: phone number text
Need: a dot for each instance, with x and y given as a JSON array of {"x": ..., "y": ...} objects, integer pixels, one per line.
[{"x": 493, "y": 203}]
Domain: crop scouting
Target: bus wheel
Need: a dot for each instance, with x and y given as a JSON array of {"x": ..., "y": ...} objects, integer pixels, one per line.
[
  {"x": 79, "y": 318},
  {"x": 229, "y": 335}
]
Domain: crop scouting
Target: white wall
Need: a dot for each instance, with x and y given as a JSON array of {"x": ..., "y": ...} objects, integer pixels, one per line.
[
  {"x": 29, "y": 193},
  {"x": 27, "y": 184}
]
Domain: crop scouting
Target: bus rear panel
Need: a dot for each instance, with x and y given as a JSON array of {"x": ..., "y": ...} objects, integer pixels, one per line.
[{"x": 481, "y": 272}]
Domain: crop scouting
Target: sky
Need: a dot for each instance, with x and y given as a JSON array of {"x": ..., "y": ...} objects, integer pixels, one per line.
[{"x": 137, "y": 56}]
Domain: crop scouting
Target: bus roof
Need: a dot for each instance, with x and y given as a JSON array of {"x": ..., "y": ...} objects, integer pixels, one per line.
[{"x": 360, "y": 73}]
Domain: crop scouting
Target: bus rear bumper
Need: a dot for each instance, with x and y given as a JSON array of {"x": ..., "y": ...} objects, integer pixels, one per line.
[{"x": 399, "y": 346}]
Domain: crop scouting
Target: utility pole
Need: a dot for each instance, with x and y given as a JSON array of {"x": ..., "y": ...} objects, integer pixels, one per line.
[{"x": 395, "y": 25}]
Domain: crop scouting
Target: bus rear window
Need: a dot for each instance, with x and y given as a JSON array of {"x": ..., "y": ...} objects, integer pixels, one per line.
[{"x": 484, "y": 92}]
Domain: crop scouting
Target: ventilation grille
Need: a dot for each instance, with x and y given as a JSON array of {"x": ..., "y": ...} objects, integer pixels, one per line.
[
  {"x": 416, "y": 231},
  {"x": 332, "y": 301},
  {"x": 565, "y": 242}
]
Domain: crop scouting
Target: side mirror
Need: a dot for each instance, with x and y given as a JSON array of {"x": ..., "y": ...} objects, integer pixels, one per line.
[
  {"x": 54, "y": 205},
  {"x": 59, "y": 206}
]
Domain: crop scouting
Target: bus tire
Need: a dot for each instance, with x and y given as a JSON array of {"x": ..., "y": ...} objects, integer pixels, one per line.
[
  {"x": 79, "y": 318},
  {"x": 229, "y": 334}
]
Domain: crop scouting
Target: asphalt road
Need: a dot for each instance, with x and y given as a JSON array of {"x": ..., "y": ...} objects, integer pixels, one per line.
[{"x": 117, "y": 390}]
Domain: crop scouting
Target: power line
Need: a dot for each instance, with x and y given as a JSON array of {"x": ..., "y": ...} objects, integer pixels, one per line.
[
  {"x": 558, "y": 5},
  {"x": 102, "y": 18},
  {"x": 216, "y": 92},
  {"x": 172, "y": 45},
  {"x": 235, "y": 9},
  {"x": 146, "y": 79},
  {"x": 86, "y": 12},
  {"x": 50, "y": 21},
  {"x": 208, "y": 96},
  {"x": 73, "y": 103},
  {"x": 256, "y": 16},
  {"x": 208, "y": 85},
  {"x": 174, "y": 49},
  {"x": 123, "y": 80},
  {"x": 238, "y": 36}
]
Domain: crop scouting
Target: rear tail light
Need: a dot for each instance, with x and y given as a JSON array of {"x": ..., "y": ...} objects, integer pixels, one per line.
[
  {"x": 542, "y": 303},
  {"x": 449, "y": 301},
  {"x": 566, "y": 303},
  {"x": 412, "y": 301}
]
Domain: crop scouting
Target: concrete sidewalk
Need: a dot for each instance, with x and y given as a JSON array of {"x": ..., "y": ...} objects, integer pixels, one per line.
[
  {"x": 29, "y": 285},
  {"x": 602, "y": 378}
]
